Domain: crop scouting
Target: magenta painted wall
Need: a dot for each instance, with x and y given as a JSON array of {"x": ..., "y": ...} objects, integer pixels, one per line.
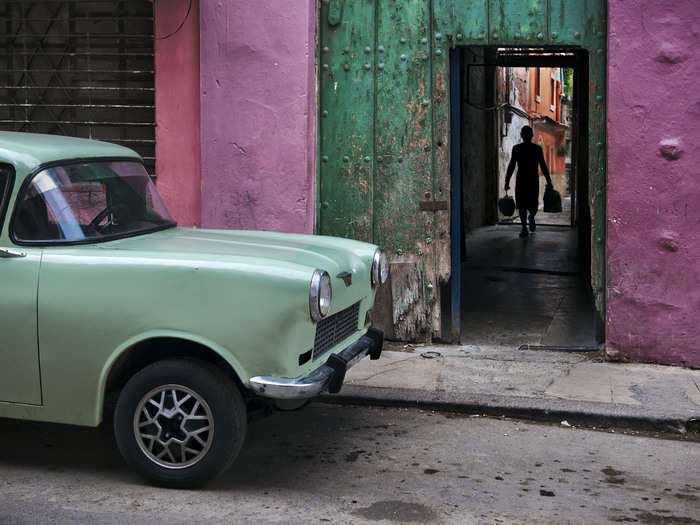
[
  {"x": 653, "y": 307},
  {"x": 178, "y": 150},
  {"x": 258, "y": 103}
]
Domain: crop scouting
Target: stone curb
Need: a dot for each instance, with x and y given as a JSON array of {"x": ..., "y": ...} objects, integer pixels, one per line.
[{"x": 575, "y": 413}]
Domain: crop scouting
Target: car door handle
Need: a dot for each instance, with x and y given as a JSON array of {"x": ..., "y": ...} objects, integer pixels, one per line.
[{"x": 10, "y": 254}]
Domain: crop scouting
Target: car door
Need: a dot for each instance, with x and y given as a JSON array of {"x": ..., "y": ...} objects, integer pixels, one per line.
[{"x": 19, "y": 279}]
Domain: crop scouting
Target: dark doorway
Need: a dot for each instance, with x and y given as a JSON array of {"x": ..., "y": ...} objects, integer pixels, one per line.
[{"x": 532, "y": 292}]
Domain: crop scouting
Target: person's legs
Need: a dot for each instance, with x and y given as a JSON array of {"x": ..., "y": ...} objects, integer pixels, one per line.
[
  {"x": 523, "y": 219},
  {"x": 533, "y": 226}
]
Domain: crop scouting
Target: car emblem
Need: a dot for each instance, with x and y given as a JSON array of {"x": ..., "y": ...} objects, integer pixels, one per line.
[{"x": 346, "y": 277}]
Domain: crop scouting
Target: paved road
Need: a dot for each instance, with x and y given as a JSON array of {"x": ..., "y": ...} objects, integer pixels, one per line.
[{"x": 334, "y": 464}]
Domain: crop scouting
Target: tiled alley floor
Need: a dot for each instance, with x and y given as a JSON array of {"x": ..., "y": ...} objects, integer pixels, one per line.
[{"x": 524, "y": 291}]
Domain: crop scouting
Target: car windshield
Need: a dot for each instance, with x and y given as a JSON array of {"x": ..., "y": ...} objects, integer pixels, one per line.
[{"x": 89, "y": 201}]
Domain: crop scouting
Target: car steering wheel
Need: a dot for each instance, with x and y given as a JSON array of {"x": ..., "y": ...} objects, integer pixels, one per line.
[{"x": 95, "y": 223}]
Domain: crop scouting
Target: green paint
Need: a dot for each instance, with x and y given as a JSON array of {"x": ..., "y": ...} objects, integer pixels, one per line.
[
  {"x": 403, "y": 119},
  {"x": 518, "y": 22},
  {"x": 346, "y": 83},
  {"x": 380, "y": 110}
]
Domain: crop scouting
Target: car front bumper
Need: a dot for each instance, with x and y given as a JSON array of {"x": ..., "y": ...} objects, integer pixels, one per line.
[{"x": 329, "y": 376}]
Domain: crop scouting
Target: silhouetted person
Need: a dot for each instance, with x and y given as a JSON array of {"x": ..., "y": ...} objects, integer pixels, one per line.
[{"x": 528, "y": 157}]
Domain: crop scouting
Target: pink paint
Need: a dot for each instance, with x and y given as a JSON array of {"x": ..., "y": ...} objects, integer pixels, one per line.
[
  {"x": 178, "y": 149},
  {"x": 258, "y": 102},
  {"x": 653, "y": 307}
]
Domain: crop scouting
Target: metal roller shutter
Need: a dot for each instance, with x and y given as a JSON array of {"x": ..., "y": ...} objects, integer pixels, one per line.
[{"x": 79, "y": 68}]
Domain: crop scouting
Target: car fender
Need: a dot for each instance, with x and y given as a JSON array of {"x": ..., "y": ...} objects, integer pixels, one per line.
[{"x": 118, "y": 352}]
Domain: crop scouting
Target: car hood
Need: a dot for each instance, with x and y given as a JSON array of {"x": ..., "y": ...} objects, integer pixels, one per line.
[{"x": 332, "y": 254}]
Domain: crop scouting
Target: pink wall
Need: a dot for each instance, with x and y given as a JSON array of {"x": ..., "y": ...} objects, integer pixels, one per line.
[
  {"x": 258, "y": 102},
  {"x": 178, "y": 149},
  {"x": 653, "y": 308}
]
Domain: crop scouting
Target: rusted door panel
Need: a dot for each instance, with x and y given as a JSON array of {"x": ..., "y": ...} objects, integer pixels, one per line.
[
  {"x": 403, "y": 137},
  {"x": 346, "y": 83},
  {"x": 574, "y": 22},
  {"x": 403, "y": 169},
  {"x": 517, "y": 22}
]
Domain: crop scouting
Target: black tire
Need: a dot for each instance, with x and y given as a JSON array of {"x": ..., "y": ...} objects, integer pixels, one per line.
[{"x": 180, "y": 402}]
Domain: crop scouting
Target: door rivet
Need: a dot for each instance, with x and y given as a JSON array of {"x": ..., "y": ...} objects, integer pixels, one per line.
[
  {"x": 325, "y": 66},
  {"x": 367, "y": 159},
  {"x": 325, "y": 113},
  {"x": 346, "y": 67},
  {"x": 540, "y": 36},
  {"x": 403, "y": 57},
  {"x": 494, "y": 34},
  {"x": 346, "y": 50},
  {"x": 368, "y": 49},
  {"x": 325, "y": 49},
  {"x": 438, "y": 52},
  {"x": 599, "y": 52},
  {"x": 324, "y": 205},
  {"x": 438, "y": 36},
  {"x": 381, "y": 65},
  {"x": 517, "y": 35},
  {"x": 368, "y": 67},
  {"x": 460, "y": 36},
  {"x": 380, "y": 49},
  {"x": 402, "y": 40},
  {"x": 577, "y": 35},
  {"x": 424, "y": 41},
  {"x": 555, "y": 35},
  {"x": 324, "y": 158},
  {"x": 346, "y": 159}
]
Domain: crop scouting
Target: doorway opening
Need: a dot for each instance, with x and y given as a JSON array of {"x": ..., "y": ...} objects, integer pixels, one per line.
[{"x": 513, "y": 290}]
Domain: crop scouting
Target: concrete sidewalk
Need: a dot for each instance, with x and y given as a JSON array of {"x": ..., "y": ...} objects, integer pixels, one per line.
[{"x": 575, "y": 388}]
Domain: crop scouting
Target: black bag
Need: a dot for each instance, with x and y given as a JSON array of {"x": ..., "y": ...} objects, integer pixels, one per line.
[
  {"x": 506, "y": 205},
  {"x": 552, "y": 201}
]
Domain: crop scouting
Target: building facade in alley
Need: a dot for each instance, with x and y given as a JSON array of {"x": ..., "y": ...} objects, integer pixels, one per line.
[{"x": 344, "y": 117}]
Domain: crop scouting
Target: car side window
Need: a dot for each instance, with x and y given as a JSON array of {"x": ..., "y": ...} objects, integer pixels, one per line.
[
  {"x": 65, "y": 211},
  {"x": 7, "y": 175}
]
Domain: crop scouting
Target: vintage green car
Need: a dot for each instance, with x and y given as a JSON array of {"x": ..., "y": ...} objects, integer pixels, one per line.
[{"x": 105, "y": 298}]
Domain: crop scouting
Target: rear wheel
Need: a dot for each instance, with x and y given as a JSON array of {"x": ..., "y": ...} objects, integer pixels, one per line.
[{"x": 180, "y": 423}]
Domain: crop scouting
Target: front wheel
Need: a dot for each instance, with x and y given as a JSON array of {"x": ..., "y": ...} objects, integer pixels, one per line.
[{"x": 180, "y": 423}]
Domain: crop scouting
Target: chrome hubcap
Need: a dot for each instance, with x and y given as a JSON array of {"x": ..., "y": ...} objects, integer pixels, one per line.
[{"x": 173, "y": 426}]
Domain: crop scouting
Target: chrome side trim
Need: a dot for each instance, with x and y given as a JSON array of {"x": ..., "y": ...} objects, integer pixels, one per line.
[{"x": 319, "y": 380}]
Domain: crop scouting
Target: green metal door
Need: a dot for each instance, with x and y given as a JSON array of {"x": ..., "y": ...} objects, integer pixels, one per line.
[{"x": 384, "y": 173}]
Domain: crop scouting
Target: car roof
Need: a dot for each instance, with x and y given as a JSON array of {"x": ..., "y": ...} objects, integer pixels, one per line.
[{"x": 27, "y": 151}]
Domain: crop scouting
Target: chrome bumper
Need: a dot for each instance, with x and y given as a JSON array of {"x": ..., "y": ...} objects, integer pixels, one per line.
[{"x": 329, "y": 376}]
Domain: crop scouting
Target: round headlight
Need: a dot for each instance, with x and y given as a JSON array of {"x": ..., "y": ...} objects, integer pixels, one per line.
[
  {"x": 380, "y": 267},
  {"x": 320, "y": 295}
]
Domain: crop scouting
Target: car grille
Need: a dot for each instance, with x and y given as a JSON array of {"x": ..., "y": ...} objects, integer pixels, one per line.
[{"x": 333, "y": 329}]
